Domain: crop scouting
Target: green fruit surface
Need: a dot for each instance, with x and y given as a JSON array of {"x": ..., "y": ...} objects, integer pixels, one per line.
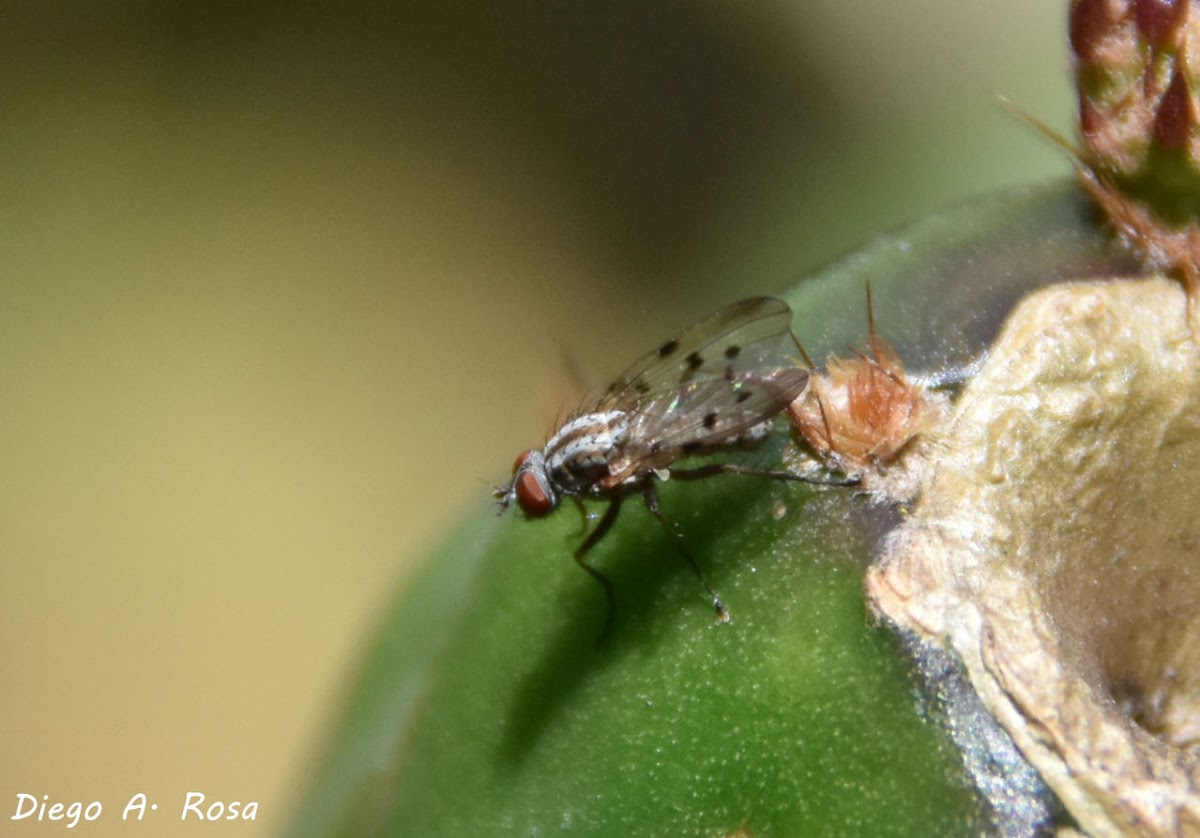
[{"x": 486, "y": 706}]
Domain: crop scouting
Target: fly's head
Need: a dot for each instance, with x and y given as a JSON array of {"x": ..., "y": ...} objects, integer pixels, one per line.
[{"x": 530, "y": 487}]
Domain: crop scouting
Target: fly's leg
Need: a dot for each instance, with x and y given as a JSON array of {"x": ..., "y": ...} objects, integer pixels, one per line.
[
  {"x": 712, "y": 469},
  {"x": 602, "y": 528},
  {"x": 650, "y": 494},
  {"x": 583, "y": 516}
]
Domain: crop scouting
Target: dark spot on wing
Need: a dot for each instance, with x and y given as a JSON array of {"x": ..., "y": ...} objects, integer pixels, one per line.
[
  {"x": 710, "y": 420},
  {"x": 655, "y": 447},
  {"x": 743, "y": 395},
  {"x": 642, "y": 387},
  {"x": 667, "y": 348},
  {"x": 694, "y": 361},
  {"x": 732, "y": 351},
  {"x": 729, "y": 373}
]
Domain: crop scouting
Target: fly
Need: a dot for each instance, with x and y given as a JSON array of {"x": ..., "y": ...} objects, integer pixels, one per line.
[{"x": 716, "y": 385}]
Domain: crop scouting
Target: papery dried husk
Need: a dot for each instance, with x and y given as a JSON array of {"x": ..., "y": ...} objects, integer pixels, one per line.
[{"x": 1055, "y": 544}]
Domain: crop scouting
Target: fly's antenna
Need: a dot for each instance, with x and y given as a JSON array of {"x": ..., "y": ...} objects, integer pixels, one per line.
[{"x": 501, "y": 494}]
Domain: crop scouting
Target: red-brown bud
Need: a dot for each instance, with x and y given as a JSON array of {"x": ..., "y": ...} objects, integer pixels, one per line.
[
  {"x": 1135, "y": 81},
  {"x": 1160, "y": 20},
  {"x": 1175, "y": 119},
  {"x": 1139, "y": 121}
]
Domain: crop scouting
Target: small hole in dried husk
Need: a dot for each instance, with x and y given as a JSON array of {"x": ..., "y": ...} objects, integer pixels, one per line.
[{"x": 1055, "y": 549}]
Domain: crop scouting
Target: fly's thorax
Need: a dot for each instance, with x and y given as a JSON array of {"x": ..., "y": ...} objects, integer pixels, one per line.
[{"x": 578, "y": 454}]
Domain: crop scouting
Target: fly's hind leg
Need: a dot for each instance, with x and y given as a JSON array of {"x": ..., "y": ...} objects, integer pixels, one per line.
[
  {"x": 712, "y": 469},
  {"x": 650, "y": 494}
]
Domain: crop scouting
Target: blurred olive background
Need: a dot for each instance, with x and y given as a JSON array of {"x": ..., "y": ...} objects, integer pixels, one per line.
[{"x": 284, "y": 288}]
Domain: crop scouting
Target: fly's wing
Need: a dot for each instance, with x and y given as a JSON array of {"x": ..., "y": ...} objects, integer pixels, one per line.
[
  {"x": 746, "y": 335},
  {"x": 713, "y": 382},
  {"x": 713, "y": 412}
]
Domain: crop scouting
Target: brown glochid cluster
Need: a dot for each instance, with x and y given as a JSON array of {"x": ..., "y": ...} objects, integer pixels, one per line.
[{"x": 863, "y": 411}]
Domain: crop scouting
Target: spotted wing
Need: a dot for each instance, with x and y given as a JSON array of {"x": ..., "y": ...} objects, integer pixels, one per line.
[
  {"x": 750, "y": 331},
  {"x": 714, "y": 381},
  {"x": 713, "y": 413}
]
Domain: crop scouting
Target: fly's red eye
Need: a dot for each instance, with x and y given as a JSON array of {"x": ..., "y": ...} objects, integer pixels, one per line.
[
  {"x": 521, "y": 461},
  {"x": 532, "y": 496}
]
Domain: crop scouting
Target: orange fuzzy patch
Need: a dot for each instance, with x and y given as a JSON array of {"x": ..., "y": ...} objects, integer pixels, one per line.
[{"x": 863, "y": 411}]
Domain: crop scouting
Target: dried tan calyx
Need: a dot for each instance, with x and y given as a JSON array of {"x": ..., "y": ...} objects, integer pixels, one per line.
[{"x": 1055, "y": 549}]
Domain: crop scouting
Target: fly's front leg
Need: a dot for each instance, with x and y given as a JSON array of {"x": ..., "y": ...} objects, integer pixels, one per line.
[
  {"x": 650, "y": 494},
  {"x": 602, "y": 528}
]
